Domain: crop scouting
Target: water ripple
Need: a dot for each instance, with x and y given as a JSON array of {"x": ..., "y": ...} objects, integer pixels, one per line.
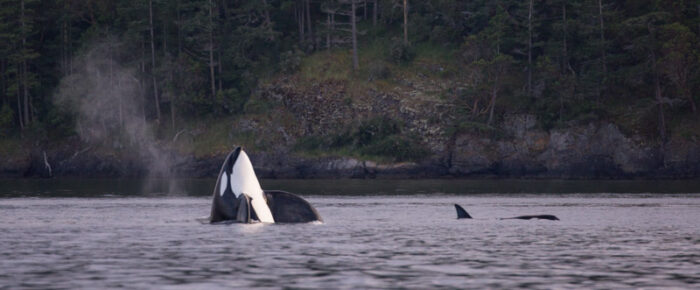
[{"x": 365, "y": 242}]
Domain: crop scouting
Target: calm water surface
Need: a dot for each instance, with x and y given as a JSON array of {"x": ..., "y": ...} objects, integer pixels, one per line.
[{"x": 376, "y": 234}]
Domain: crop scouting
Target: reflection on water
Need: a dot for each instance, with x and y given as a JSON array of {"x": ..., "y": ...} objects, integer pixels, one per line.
[{"x": 388, "y": 241}]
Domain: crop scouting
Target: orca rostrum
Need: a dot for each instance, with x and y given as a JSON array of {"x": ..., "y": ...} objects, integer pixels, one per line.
[
  {"x": 462, "y": 214},
  {"x": 238, "y": 197}
]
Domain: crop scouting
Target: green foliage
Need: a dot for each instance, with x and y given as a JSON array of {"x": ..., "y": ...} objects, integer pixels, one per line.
[
  {"x": 290, "y": 61},
  {"x": 228, "y": 101},
  {"x": 257, "y": 106},
  {"x": 310, "y": 143},
  {"x": 375, "y": 130},
  {"x": 400, "y": 148},
  {"x": 60, "y": 123},
  {"x": 377, "y": 137},
  {"x": 210, "y": 55},
  {"x": 465, "y": 126}
]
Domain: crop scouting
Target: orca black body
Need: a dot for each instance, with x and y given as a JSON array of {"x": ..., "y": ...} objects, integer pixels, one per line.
[
  {"x": 539, "y": 217},
  {"x": 462, "y": 214},
  {"x": 239, "y": 198}
]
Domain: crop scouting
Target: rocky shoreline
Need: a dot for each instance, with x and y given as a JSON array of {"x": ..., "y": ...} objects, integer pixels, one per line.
[{"x": 594, "y": 151}]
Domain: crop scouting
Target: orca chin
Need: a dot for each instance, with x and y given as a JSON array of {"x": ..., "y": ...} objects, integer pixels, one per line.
[
  {"x": 462, "y": 214},
  {"x": 239, "y": 198}
]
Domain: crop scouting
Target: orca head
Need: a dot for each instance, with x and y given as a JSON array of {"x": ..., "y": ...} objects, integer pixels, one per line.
[
  {"x": 242, "y": 176},
  {"x": 224, "y": 183},
  {"x": 225, "y": 204}
]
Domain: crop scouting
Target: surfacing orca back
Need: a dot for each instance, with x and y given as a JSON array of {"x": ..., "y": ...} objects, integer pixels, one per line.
[
  {"x": 538, "y": 216},
  {"x": 462, "y": 214}
]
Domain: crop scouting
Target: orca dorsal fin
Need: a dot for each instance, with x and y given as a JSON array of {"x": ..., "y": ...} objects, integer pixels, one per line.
[{"x": 461, "y": 213}]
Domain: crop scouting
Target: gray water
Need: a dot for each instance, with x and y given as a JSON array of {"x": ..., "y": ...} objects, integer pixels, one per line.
[{"x": 111, "y": 234}]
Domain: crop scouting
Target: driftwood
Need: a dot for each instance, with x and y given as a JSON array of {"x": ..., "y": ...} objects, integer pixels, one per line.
[{"x": 47, "y": 165}]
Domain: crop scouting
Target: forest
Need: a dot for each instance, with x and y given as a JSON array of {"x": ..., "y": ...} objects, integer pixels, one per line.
[{"x": 632, "y": 62}]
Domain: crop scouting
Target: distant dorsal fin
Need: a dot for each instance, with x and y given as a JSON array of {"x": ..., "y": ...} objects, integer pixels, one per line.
[{"x": 461, "y": 213}]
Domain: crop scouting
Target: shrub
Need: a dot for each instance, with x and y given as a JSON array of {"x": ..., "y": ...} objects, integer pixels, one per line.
[
  {"x": 378, "y": 71},
  {"x": 290, "y": 61},
  {"x": 256, "y": 106},
  {"x": 309, "y": 143},
  {"x": 400, "y": 52},
  {"x": 376, "y": 129},
  {"x": 398, "y": 147},
  {"x": 379, "y": 137},
  {"x": 228, "y": 101},
  {"x": 60, "y": 123}
]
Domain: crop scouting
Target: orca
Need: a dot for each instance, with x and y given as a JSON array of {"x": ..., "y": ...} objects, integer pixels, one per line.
[
  {"x": 462, "y": 214},
  {"x": 239, "y": 198},
  {"x": 537, "y": 216}
]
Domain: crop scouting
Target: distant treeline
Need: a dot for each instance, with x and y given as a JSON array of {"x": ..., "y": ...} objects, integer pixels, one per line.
[{"x": 562, "y": 59}]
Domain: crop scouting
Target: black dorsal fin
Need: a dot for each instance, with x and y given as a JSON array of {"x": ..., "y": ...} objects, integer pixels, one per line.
[{"x": 461, "y": 213}]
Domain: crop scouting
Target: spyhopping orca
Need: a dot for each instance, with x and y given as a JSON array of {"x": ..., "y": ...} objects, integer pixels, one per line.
[
  {"x": 238, "y": 197},
  {"x": 462, "y": 214}
]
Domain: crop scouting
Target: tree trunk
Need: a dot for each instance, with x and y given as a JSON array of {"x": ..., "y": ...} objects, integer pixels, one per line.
[
  {"x": 565, "y": 53},
  {"x": 153, "y": 61},
  {"x": 364, "y": 6},
  {"x": 300, "y": 21},
  {"x": 374, "y": 14},
  {"x": 3, "y": 86},
  {"x": 308, "y": 23},
  {"x": 659, "y": 100},
  {"x": 602, "y": 39},
  {"x": 268, "y": 22},
  {"x": 165, "y": 39},
  {"x": 657, "y": 89},
  {"x": 24, "y": 67},
  {"x": 529, "y": 50},
  {"x": 70, "y": 49},
  {"x": 328, "y": 31},
  {"x": 20, "y": 117},
  {"x": 211, "y": 49},
  {"x": 179, "y": 29},
  {"x": 492, "y": 104},
  {"x": 219, "y": 67},
  {"x": 355, "y": 61},
  {"x": 172, "y": 111},
  {"x": 142, "y": 82},
  {"x": 405, "y": 22},
  {"x": 266, "y": 11},
  {"x": 693, "y": 106},
  {"x": 64, "y": 44}
]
